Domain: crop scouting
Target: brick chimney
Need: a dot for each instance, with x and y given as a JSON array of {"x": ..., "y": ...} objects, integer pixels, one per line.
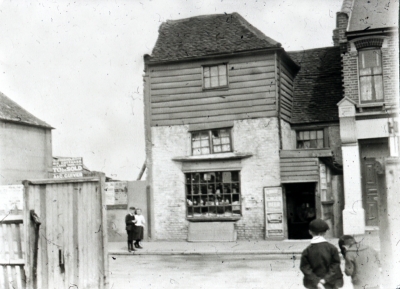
[{"x": 342, "y": 20}]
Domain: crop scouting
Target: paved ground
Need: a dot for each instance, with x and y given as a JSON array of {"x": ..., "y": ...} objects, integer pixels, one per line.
[{"x": 205, "y": 271}]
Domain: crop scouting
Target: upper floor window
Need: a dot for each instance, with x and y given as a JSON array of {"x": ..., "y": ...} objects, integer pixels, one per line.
[
  {"x": 370, "y": 71},
  {"x": 211, "y": 141},
  {"x": 310, "y": 139},
  {"x": 215, "y": 76}
]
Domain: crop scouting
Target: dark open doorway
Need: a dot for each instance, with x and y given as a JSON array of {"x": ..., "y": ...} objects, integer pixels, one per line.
[{"x": 300, "y": 208}]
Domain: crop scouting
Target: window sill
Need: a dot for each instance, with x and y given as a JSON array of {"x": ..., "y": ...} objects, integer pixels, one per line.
[
  {"x": 210, "y": 157},
  {"x": 216, "y": 88}
]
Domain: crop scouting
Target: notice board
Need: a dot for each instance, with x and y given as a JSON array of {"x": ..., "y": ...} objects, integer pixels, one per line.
[{"x": 273, "y": 212}]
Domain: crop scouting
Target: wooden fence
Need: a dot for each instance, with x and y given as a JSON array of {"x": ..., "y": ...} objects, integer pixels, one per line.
[
  {"x": 12, "y": 273},
  {"x": 65, "y": 225}
]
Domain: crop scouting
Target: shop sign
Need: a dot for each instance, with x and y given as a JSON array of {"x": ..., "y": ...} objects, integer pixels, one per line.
[
  {"x": 68, "y": 168},
  {"x": 11, "y": 197},
  {"x": 274, "y": 212}
]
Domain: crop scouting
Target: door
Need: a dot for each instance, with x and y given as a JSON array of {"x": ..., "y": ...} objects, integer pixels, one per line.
[{"x": 370, "y": 192}]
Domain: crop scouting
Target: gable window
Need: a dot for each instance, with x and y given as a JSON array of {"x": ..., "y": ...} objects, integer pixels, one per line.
[
  {"x": 213, "y": 194},
  {"x": 211, "y": 141},
  {"x": 215, "y": 76},
  {"x": 310, "y": 139},
  {"x": 370, "y": 71}
]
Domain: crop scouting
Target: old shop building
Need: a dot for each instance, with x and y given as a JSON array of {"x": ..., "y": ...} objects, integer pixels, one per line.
[
  {"x": 368, "y": 112},
  {"x": 229, "y": 151}
]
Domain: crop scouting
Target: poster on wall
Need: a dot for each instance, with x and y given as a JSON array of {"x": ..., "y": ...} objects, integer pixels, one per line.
[
  {"x": 116, "y": 193},
  {"x": 274, "y": 212},
  {"x": 12, "y": 198}
]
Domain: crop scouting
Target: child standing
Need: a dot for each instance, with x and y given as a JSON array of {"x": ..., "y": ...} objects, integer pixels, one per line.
[
  {"x": 362, "y": 264},
  {"x": 320, "y": 262},
  {"x": 139, "y": 227},
  {"x": 130, "y": 223}
]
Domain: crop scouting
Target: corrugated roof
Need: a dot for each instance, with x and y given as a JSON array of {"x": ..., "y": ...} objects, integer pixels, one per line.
[
  {"x": 317, "y": 86},
  {"x": 208, "y": 35},
  {"x": 11, "y": 111},
  {"x": 373, "y": 14}
]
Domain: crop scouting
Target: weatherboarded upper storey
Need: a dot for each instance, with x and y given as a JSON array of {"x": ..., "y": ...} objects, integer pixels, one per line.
[{"x": 214, "y": 69}]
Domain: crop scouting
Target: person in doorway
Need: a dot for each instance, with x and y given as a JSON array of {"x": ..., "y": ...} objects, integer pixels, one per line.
[
  {"x": 130, "y": 225},
  {"x": 320, "y": 261},
  {"x": 362, "y": 264},
  {"x": 139, "y": 228}
]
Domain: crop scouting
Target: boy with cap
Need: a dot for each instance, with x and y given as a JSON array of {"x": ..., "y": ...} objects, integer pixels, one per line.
[
  {"x": 320, "y": 261},
  {"x": 362, "y": 264}
]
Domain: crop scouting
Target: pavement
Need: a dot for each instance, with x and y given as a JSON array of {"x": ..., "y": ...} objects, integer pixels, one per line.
[{"x": 242, "y": 247}]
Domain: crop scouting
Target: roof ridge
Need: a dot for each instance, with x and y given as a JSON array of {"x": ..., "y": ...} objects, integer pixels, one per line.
[{"x": 317, "y": 48}]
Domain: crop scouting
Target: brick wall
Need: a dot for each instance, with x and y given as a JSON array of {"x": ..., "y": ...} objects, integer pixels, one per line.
[
  {"x": 390, "y": 63},
  {"x": 256, "y": 136},
  {"x": 349, "y": 74}
]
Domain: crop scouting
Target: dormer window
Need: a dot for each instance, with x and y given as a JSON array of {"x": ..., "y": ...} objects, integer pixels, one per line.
[
  {"x": 211, "y": 141},
  {"x": 370, "y": 72},
  {"x": 215, "y": 76}
]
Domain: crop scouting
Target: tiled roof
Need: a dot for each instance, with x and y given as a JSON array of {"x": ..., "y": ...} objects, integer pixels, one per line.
[
  {"x": 11, "y": 111},
  {"x": 208, "y": 35},
  {"x": 317, "y": 86},
  {"x": 373, "y": 14}
]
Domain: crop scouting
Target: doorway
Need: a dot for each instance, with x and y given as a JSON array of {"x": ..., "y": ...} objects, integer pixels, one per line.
[{"x": 300, "y": 209}]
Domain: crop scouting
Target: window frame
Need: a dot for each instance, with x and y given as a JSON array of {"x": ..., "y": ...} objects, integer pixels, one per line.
[
  {"x": 210, "y": 141},
  {"x": 217, "y": 211},
  {"x": 372, "y": 75},
  {"x": 325, "y": 140},
  {"x": 219, "y": 86}
]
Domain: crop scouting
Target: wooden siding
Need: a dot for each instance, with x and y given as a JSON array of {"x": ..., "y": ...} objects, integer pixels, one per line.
[
  {"x": 295, "y": 169},
  {"x": 177, "y": 95},
  {"x": 286, "y": 92},
  {"x": 12, "y": 274},
  {"x": 72, "y": 245}
]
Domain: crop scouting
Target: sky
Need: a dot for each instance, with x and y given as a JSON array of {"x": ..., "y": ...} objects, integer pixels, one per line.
[{"x": 78, "y": 65}]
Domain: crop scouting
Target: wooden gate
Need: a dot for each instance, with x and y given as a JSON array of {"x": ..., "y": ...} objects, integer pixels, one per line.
[
  {"x": 11, "y": 253},
  {"x": 65, "y": 224}
]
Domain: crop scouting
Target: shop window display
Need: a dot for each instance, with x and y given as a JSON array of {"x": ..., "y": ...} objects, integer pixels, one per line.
[{"x": 213, "y": 195}]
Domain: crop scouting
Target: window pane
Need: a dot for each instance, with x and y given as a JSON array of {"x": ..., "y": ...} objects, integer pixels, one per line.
[
  {"x": 378, "y": 87},
  {"x": 217, "y": 149},
  {"x": 204, "y": 135},
  {"x": 366, "y": 88},
  {"x": 206, "y": 72},
  {"x": 313, "y": 134},
  {"x": 214, "y": 81},
  {"x": 300, "y": 135},
  {"x": 204, "y": 143},
  {"x": 216, "y": 141},
  {"x": 222, "y": 69},
  {"x": 205, "y": 151},
  {"x": 196, "y": 144},
  {"x": 207, "y": 83},
  {"x": 224, "y": 132},
  {"x": 222, "y": 80},
  {"x": 196, "y": 152},
  {"x": 214, "y": 71},
  {"x": 370, "y": 58},
  {"x": 306, "y": 144},
  {"x": 195, "y": 136},
  {"x": 320, "y": 143},
  {"x": 320, "y": 134},
  {"x": 225, "y": 140},
  {"x": 306, "y": 135},
  {"x": 313, "y": 143},
  {"x": 226, "y": 148}
]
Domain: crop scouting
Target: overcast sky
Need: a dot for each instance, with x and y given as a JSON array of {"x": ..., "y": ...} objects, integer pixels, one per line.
[{"x": 78, "y": 64}]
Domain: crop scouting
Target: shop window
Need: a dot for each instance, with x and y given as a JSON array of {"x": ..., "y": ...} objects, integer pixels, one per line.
[
  {"x": 215, "y": 76},
  {"x": 213, "y": 195},
  {"x": 310, "y": 139},
  {"x": 211, "y": 141},
  {"x": 370, "y": 71}
]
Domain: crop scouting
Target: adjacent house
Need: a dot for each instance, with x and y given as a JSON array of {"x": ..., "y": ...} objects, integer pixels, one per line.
[
  {"x": 25, "y": 144},
  {"x": 237, "y": 145},
  {"x": 369, "y": 110}
]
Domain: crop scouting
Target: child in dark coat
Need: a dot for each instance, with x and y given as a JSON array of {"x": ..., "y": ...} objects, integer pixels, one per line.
[
  {"x": 362, "y": 264},
  {"x": 320, "y": 261}
]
